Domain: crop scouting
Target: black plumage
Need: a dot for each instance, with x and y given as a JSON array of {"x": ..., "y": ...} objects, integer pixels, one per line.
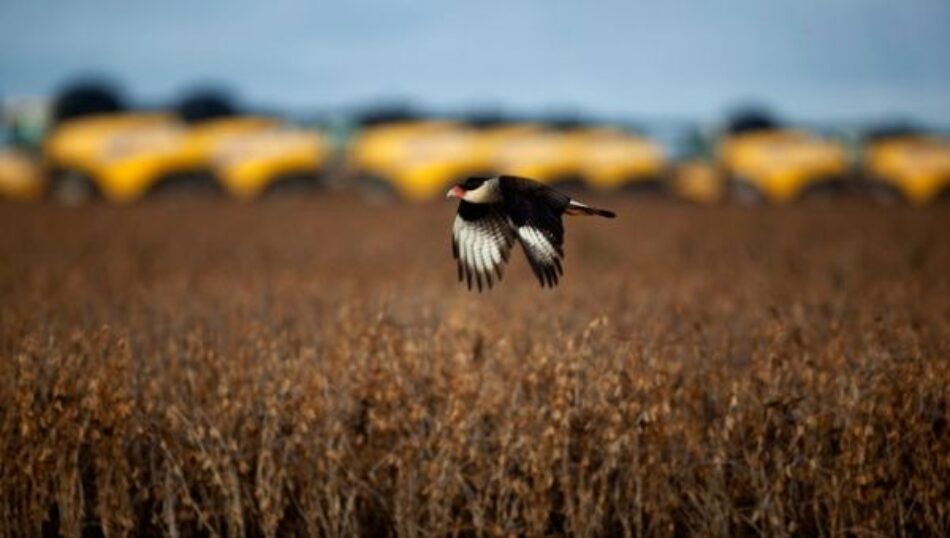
[{"x": 494, "y": 212}]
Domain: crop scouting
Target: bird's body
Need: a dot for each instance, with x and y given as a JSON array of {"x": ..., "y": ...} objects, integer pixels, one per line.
[{"x": 494, "y": 212}]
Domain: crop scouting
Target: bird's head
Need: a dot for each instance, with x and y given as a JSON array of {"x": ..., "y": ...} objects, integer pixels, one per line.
[{"x": 476, "y": 190}]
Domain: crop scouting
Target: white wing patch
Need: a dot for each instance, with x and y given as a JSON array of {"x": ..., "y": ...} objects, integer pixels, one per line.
[
  {"x": 481, "y": 247},
  {"x": 543, "y": 253}
]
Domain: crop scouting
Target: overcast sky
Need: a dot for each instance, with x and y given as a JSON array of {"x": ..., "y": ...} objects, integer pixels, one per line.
[{"x": 812, "y": 59}]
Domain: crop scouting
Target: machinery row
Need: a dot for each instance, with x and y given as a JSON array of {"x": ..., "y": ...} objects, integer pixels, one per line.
[{"x": 94, "y": 148}]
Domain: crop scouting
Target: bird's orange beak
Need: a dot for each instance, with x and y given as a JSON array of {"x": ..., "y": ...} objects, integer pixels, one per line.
[{"x": 455, "y": 192}]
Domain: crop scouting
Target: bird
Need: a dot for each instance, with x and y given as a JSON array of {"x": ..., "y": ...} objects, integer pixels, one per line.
[{"x": 496, "y": 211}]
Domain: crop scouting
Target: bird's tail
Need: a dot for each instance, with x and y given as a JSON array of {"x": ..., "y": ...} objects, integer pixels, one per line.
[{"x": 577, "y": 208}]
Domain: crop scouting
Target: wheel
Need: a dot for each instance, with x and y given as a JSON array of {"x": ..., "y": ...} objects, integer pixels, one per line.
[
  {"x": 827, "y": 190},
  {"x": 185, "y": 183},
  {"x": 651, "y": 187},
  {"x": 745, "y": 193},
  {"x": 883, "y": 192},
  {"x": 943, "y": 197},
  {"x": 376, "y": 190},
  {"x": 72, "y": 187},
  {"x": 293, "y": 184}
]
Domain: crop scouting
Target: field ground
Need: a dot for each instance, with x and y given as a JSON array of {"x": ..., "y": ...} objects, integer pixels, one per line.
[{"x": 310, "y": 366}]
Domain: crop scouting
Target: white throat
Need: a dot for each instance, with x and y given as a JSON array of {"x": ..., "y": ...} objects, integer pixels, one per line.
[{"x": 486, "y": 193}]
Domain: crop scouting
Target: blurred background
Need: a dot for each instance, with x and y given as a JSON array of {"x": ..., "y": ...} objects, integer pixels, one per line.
[{"x": 741, "y": 100}]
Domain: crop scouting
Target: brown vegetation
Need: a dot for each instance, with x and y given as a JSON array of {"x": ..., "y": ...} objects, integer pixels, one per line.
[{"x": 310, "y": 367}]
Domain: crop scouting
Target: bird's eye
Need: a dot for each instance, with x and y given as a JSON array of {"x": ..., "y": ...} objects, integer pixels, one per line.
[{"x": 472, "y": 183}]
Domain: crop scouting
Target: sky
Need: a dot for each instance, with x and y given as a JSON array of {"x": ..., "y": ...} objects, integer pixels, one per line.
[{"x": 808, "y": 59}]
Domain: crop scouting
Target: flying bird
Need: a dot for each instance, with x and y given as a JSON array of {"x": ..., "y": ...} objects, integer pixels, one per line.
[{"x": 495, "y": 211}]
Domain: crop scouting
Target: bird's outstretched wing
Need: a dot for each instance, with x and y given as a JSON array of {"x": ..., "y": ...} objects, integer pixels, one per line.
[
  {"x": 535, "y": 212},
  {"x": 481, "y": 242},
  {"x": 544, "y": 253}
]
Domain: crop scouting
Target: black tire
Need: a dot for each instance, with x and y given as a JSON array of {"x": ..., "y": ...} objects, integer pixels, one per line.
[
  {"x": 943, "y": 197},
  {"x": 72, "y": 188},
  {"x": 293, "y": 184},
  {"x": 648, "y": 187},
  {"x": 827, "y": 190},
  {"x": 744, "y": 192},
  {"x": 883, "y": 192},
  {"x": 377, "y": 190},
  {"x": 186, "y": 184}
]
